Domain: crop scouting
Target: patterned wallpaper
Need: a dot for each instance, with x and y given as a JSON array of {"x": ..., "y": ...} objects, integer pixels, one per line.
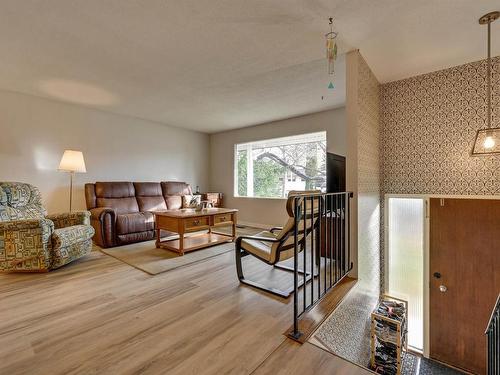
[
  {"x": 368, "y": 178},
  {"x": 428, "y": 126},
  {"x": 347, "y": 330}
]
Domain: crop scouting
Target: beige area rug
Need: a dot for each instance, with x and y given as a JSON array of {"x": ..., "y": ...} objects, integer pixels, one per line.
[{"x": 146, "y": 257}]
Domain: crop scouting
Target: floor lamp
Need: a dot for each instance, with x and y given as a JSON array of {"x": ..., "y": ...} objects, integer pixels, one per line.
[{"x": 72, "y": 162}]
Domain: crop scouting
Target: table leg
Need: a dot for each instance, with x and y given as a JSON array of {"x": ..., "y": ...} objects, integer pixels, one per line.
[
  {"x": 157, "y": 238},
  {"x": 181, "y": 242},
  {"x": 234, "y": 227}
]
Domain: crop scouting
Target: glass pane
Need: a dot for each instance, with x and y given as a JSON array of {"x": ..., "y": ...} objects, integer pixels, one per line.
[
  {"x": 276, "y": 166},
  {"x": 241, "y": 157},
  {"x": 268, "y": 173},
  {"x": 406, "y": 261}
]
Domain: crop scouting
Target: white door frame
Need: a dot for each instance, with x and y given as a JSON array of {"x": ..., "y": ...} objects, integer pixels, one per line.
[{"x": 426, "y": 198}]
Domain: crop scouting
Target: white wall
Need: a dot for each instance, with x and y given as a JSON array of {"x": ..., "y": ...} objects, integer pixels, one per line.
[
  {"x": 34, "y": 133},
  {"x": 268, "y": 211}
]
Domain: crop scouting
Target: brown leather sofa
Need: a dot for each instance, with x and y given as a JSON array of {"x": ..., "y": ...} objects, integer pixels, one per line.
[{"x": 121, "y": 212}]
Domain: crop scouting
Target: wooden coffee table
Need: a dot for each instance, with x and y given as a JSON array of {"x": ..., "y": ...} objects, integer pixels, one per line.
[{"x": 188, "y": 220}]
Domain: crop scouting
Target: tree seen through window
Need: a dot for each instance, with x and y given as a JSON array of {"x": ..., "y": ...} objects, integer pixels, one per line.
[{"x": 272, "y": 168}]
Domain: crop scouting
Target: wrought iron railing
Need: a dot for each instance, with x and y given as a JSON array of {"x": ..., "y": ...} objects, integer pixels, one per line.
[
  {"x": 493, "y": 334},
  {"x": 323, "y": 257}
]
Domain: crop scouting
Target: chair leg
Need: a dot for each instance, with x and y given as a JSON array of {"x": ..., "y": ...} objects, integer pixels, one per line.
[
  {"x": 288, "y": 268},
  {"x": 239, "y": 267},
  {"x": 301, "y": 272},
  {"x": 277, "y": 292}
]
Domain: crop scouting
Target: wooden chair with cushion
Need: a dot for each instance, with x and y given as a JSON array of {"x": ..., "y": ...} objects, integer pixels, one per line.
[{"x": 277, "y": 244}]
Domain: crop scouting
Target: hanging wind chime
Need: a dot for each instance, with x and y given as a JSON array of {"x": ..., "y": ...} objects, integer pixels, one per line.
[
  {"x": 487, "y": 141},
  {"x": 331, "y": 50}
]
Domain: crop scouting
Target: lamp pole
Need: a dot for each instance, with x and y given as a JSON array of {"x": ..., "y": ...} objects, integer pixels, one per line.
[
  {"x": 70, "y": 189},
  {"x": 487, "y": 19}
]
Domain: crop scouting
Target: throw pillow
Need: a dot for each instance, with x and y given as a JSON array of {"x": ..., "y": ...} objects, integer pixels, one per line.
[{"x": 191, "y": 201}]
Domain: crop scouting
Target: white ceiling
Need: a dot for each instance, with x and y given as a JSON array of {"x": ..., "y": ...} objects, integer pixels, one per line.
[{"x": 213, "y": 65}]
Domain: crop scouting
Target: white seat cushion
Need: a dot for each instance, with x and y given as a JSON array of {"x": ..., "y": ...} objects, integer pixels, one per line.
[{"x": 261, "y": 249}]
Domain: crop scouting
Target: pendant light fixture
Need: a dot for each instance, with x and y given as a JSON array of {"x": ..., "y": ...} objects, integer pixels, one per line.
[
  {"x": 487, "y": 141},
  {"x": 331, "y": 47}
]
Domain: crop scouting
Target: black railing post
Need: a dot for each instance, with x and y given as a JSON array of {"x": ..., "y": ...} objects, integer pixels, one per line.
[
  {"x": 304, "y": 250},
  {"x": 493, "y": 337},
  {"x": 317, "y": 244},
  {"x": 313, "y": 265},
  {"x": 344, "y": 255},
  {"x": 328, "y": 227},
  {"x": 350, "y": 195},
  {"x": 295, "y": 271},
  {"x": 342, "y": 223},
  {"x": 322, "y": 245},
  {"x": 335, "y": 244},
  {"x": 330, "y": 239}
]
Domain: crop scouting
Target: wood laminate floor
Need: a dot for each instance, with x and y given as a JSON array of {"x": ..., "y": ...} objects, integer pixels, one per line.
[
  {"x": 101, "y": 316},
  {"x": 292, "y": 358}
]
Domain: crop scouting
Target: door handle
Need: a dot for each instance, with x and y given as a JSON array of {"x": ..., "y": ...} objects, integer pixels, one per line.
[{"x": 443, "y": 288}]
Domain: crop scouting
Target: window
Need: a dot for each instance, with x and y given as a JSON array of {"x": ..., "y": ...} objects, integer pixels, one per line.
[
  {"x": 273, "y": 167},
  {"x": 405, "y": 261}
]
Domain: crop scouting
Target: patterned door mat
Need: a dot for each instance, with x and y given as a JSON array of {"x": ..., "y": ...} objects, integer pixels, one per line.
[{"x": 416, "y": 365}]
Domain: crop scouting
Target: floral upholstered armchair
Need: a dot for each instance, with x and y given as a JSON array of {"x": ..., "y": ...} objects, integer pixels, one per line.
[{"x": 32, "y": 241}]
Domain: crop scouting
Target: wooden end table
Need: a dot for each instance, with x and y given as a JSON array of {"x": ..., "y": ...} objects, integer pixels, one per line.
[{"x": 189, "y": 220}]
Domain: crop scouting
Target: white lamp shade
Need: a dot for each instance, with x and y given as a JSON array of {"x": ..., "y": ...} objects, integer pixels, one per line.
[{"x": 72, "y": 161}]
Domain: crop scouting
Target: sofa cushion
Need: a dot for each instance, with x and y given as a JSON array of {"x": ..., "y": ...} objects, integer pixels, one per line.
[
  {"x": 134, "y": 222},
  {"x": 68, "y": 236},
  {"x": 120, "y": 205},
  {"x": 149, "y": 196},
  {"x": 3, "y": 197},
  {"x": 119, "y": 196},
  {"x": 90, "y": 197},
  {"x": 147, "y": 189},
  {"x": 151, "y": 204},
  {"x": 135, "y": 237},
  {"x": 114, "y": 189},
  {"x": 20, "y": 201},
  {"x": 175, "y": 188},
  {"x": 174, "y": 202},
  {"x": 18, "y": 194}
]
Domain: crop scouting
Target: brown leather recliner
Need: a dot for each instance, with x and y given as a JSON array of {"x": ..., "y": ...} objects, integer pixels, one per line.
[{"x": 121, "y": 212}]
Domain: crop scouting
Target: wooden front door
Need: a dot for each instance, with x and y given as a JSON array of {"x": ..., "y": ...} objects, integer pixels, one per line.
[{"x": 464, "y": 279}]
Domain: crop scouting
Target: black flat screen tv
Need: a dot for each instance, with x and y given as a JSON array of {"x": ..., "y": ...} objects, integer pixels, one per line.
[{"x": 335, "y": 173}]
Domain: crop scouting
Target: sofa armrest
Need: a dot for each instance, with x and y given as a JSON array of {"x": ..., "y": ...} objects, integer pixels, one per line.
[
  {"x": 25, "y": 245},
  {"x": 70, "y": 218},
  {"x": 103, "y": 219},
  {"x": 99, "y": 212}
]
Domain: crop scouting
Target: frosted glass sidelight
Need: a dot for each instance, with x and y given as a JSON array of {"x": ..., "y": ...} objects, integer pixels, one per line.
[{"x": 406, "y": 261}]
